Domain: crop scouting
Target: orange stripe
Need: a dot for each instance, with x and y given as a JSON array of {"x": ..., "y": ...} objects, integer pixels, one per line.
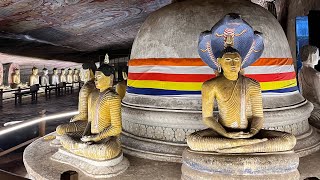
[
  {"x": 199, "y": 62},
  {"x": 273, "y": 61},
  {"x": 167, "y": 62}
]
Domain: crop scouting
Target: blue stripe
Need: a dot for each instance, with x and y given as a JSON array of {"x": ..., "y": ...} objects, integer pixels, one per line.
[
  {"x": 291, "y": 89},
  {"x": 162, "y": 92}
]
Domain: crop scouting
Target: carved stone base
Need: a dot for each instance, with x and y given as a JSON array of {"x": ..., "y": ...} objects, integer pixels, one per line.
[
  {"x": 263, "y": 166},
  {"x": 93, "y": 168}
]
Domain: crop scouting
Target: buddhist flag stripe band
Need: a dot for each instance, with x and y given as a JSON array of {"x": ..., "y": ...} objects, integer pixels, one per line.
[{"x": 183, "y": 76}]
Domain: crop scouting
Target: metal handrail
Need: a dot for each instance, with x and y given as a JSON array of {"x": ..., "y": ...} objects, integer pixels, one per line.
[{"x": 33, "y": 121}]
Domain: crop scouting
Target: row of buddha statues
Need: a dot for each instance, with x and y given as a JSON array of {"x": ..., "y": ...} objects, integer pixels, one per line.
[
  {"x": 71, "y": 76},
  {"x": 94, "y": 133}
]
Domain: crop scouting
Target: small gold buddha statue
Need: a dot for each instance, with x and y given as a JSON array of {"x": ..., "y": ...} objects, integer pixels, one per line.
[
  {"x": 238, "y": 128},
  {"x": 63, "y": 77},
  {"x": 100, "y": 138},
  {"x": 76, "y": 75},
  {"x": 45, "y": 78},
  {"x": 121, "y": 87},
  {"x": 34, "y": 77},
  {"x": 54, "y": 76},
  {"x": 70, "y": 76},
  {"x": 15, "y": 79}
]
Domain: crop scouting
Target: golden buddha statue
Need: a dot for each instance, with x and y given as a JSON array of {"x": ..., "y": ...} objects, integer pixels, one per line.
[
  {"x": 15, "y": 79},
  {"x": 76, "y": 75},
  {"x": 55, "y": 77},
  {"x": 34, "y": 77},
  {"x": 63, "y": 77},
  {"x": 79, "y": 121},
  {"x": 238, "y": 128},
  {"x": 100, "y": 138},
  {"x": 70, "y": 76},
  {"x": 121, "y": 87}
]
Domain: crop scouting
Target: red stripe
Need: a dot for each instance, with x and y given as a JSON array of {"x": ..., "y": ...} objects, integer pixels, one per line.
[
  {"x": 272, "y": 77},
  {"x": 205, "y": 77},
  {"x": 171, "y": 77}
]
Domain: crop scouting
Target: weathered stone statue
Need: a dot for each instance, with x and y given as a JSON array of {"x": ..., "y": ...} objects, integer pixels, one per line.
[
  {"x": 235, "y": 134},
  {"x": 16, "y": 79},
  {"x": 100, "y": 139},
  {"x": 309, "y": 81},
  {"x": 63, "y": 77},
  {"x": 45, "y": 77},
  {"x": 122, "y": 86},
  {"x": 79, "y": 121},
  {"x": 76, "y": 75},
  {"x": 54, "y": 76},
  {"x": 34, "y": 77},
  {"x": 70, "y": 76}
]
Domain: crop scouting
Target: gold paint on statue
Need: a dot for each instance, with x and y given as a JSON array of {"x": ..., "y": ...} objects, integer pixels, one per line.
[
  {"x": 100, "y": 135},
  {"x": 238, "y": 129},
  {"x": 121, "y": 87}
]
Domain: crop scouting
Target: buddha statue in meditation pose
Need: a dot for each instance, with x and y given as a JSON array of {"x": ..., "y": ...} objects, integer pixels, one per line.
[
  {"x": 100, "y": 138},
  {"x": 309, "y": 81},
  {"x": 45, "y": 78},
  {"x": 70, "y": 76},
  {"x": 55, "y": 77},
  {"x": 63, "y": 77},
  {"x": 16, "y": 79},
  {"x": 34, "y": 77},
  {"x": 76, "y": 75},
  {"x": 230, "y": 46},
  {"x": 238, "y": 129}
]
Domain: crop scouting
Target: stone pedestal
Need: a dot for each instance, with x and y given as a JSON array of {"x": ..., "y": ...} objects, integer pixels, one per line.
[{"x": 262, "y": 166}]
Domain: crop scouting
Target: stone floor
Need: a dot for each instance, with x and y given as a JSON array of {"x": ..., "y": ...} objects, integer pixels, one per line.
[{"x": 141, "y": 169}]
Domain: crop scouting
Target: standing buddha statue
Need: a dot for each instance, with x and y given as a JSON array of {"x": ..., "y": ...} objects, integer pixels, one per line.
[
  {"x": 54, "y": 76},
  {"x": 70, "y": 76},
  {"x": 100, "y": 139},
  {"x": 45, "y": 78},
  {"x": 76, "y": 75},
  {"x": 34, "y": 77},
  {"x": 63, "y": 77}
]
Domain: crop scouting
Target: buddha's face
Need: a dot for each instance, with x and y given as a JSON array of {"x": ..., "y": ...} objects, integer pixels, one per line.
[
  {"x": 17, "y": 71},
  {"x": 70, "y": 71},
  {"x": 230, "y": 62},
  {"x": 45, "y": 72},
  {"x": 76, "y": 71},
  {"x": 34, "y": 71},
  {"x": 88, "y": 75},
  {"x": 102, "y": 81},
  {"x": 55, "y": 72},
  {"x": 315, "y": 58}
]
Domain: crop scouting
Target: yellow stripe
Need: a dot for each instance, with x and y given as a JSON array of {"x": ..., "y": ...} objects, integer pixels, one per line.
[
  {"x": 196, "y": 86},
  {"x": 179, "y": 86},
  {"x": 278, "y": 84}
]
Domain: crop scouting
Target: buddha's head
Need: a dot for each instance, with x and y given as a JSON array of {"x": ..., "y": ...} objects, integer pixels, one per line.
[
  {"x": 104, "y": 77},
  {"x": 89, "y": 70},
  {"x": 17, "y": 71},
  {"x": 230, "y": 61},
  {"x": 124, "y": 73},
  {"x": 70, "y": 71},
  {"x": 34, "y": 71},
  {"x": 55, "y": 71},
  {"x": 76, "y": 71},
  {"x": 45, "y": 71},
  {"x": 63, "y": 71},
  {"x": 309, "y": 55}
]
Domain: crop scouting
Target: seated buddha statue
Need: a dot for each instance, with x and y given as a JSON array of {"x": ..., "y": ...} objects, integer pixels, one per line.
[
  {"x": 34, "y": 77},
  {"x": 45, "y": 78},
  {"x": 76, "y": 75},
  {"x": 16, "y": 79},
  {"x": 309, "y": 81},
  {"x": 100, "y": 138},
  {"x": 79, "y": 121},
  {"x": 70, "y": 76},
  {"x": 54, "y": 76},
  {"x": 238, "y": 128},
  {"x": 62, "y": 77},
  {"x": 121, "y": 87}
]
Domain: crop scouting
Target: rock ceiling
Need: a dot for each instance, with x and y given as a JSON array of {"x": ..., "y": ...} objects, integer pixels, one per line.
[{"x": 72, "y": 29}]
